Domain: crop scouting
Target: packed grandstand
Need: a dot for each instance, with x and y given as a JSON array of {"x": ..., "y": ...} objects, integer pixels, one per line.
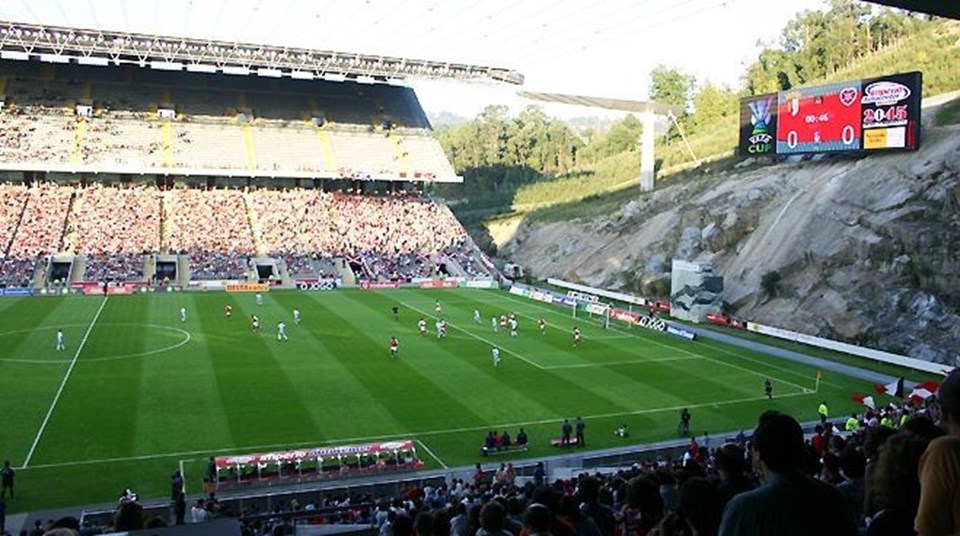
[{"x": 331, "y": 136}]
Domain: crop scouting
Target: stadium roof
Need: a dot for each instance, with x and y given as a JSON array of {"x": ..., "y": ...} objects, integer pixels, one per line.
[
  {"x": 60, "y": 43},
  {"x": 943, "y": 8},
  {"x": 603, "y": 102}
]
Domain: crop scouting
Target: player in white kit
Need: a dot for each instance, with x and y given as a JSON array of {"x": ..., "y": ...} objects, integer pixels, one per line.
[
  {"x": 259, "y": 299},
  {"x": 183, "y": 314},
  {"x": 476, "y": 315},
  {"x": 281, "y": 331},
  {"x": 60, "y": 344},
  {"x": 296, "y": 316},
  {"x": 496, "y": 356}
]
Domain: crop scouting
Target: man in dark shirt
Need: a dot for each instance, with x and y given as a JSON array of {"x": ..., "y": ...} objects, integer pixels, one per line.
[
  {"x": 588, "y": 491},
  {"x": 789, "y": 502},
  {"x": 581, "y": 440},
  {"x": 565, "y": 432},
  {"x": 6, "y": 475}
]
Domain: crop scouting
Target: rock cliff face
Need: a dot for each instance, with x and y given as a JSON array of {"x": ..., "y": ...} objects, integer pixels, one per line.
[{"x": 867, "y": 250}]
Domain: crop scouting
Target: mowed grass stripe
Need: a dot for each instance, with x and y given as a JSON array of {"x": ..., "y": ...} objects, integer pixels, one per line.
[
  {"x": 99, "y": 403},
  {"x": 337, "y": 395},
  {"x": 615, "y": 387},
  {"x": 535, "y": 384},
  {"x": 259, "y": 401},
  {"x": 399, "y": 384},
  {"x": 27, "y": 388}
]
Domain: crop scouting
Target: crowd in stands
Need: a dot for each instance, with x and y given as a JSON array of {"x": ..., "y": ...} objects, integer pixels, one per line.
[
  {"x": 390, "y": 237},
  {"x": 38, "y": 233},
  {"x": 114, "y": 228},
  {"x": 212, "y": 227}
]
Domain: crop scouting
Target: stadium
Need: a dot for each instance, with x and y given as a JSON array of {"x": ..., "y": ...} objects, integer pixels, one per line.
[{"x": 229, "y": 262}]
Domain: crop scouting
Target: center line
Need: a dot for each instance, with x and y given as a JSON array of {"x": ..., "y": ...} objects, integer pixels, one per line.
[{"x": 63, "y": 384}]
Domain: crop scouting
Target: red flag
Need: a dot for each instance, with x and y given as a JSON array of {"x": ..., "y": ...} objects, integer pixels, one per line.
[{"x": 858, "y": 398}]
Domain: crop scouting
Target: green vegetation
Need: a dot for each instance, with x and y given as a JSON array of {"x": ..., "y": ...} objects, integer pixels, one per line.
[
  {"x": 145, "y": 392},
  {"x": 949, "y": 114}
]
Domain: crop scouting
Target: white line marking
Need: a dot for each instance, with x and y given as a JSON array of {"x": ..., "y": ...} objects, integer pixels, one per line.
[
  {"x": 430, "y": 452},
  {"x": 484, "y": 428},
  {"x": 715, "y": 344},
  {"x": 639, "y": 335},
  {"x": 186, "y": 339},
  {"x": 63, "y": 384},
  {"x": 630, "y": 362},
  {"x": 479, "y": 338}
]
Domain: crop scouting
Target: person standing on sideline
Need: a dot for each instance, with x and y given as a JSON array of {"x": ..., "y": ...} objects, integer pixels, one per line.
[
  {"x": 496, "y": 356},
  {"x": 176, "y": 485},
  {"x": 183, "y": 314},
  {"x": 581, "y": 426},
  {"x": 684, "y": 426},
  {"x": 60, "y": 344},
  {"x": 824, "y": 412},
  {"x": 768, "y": 388},
  {"x": 565, "y": 432},
  {"x": 6, "y": 477},
  {"x": 939, "y": 511}
]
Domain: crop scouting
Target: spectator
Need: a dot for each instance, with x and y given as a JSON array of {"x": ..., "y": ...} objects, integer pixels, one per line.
[
  {"x": 939, "y": 510},
  {"x": 492, "y": 520},
  {"x": 790, "y": 502},
  {"x": 643, "y": 508},
  {"x": 896, "y": 484}
]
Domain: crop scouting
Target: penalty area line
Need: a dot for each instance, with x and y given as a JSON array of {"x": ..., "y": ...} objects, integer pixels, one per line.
[{"x": 63, "y": 383}]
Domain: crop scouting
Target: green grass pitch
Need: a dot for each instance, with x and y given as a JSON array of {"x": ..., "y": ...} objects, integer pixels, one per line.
[{"x": 137, "y": 392}]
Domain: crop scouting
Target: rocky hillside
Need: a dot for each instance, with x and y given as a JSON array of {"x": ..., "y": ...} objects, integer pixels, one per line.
[{"x": 867, "y": 250}]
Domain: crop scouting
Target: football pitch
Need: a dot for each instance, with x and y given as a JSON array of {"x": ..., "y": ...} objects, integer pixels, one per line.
[{"x": 137, "y": 393}]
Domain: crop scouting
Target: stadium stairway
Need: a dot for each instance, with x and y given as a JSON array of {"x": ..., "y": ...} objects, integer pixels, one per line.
[
  {"x": 149, "y": 267},
  {"x": 183, "y": 270},
  {"x": 79, "y": 268},
  {"x": 349, "y": 280}
]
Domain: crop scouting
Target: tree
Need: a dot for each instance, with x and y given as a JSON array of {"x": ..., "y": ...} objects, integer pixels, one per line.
[
  {"x": 712, "y": 104},
  {"x": 671, "y": 86}
]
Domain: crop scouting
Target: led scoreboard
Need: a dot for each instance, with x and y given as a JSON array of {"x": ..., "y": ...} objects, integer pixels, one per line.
[{"x": 861, "y": 115}]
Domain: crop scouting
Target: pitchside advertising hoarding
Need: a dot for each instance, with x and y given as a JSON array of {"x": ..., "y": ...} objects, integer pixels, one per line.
[{"x": 873, "y": 114}]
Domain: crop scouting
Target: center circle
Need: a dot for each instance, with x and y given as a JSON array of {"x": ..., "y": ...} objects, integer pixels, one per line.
[{"x": 182, "y": 335}]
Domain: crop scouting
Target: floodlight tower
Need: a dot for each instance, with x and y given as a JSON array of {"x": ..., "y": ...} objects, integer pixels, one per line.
[{"x": 648, "y": 112}]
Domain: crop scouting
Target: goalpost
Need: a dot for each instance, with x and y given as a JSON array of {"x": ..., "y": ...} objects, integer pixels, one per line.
[{"x": 590, "y": 312}]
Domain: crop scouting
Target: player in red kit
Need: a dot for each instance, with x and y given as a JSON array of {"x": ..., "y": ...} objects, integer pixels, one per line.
[{"x": 394, "y": 346}]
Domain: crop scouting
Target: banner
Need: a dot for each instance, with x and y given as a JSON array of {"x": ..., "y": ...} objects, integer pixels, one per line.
[
  {"x": 681, "y": 332},
  {"x": 480, "y": 283},
  {"x": 247, "y": 287},
  {"x": 317, "y": 284},
  {"x": 649, "y": 322},
  {"x": 313, "y": 453},
  {"x": 374, "y": 285},
  {"x": 16, "y": 291},
  {"x": 440, "y": 283},
  {"x": 88, "y": 288}
]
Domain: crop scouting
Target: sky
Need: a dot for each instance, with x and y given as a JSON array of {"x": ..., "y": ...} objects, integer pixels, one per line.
[{"x": 600, "y": 48}]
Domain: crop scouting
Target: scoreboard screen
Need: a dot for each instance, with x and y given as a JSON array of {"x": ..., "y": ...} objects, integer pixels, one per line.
[
  {"x": 823, "y": 119},
  {"x": 857, "y": 116}
]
